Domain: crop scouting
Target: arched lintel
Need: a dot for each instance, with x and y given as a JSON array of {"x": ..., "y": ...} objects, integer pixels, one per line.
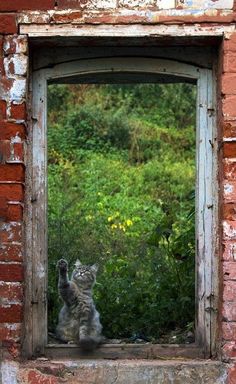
[{"x": 122, "y": 70}]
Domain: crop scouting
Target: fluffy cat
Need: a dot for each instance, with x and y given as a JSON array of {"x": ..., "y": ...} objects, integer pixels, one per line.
[{"x": 78, "y": 319}]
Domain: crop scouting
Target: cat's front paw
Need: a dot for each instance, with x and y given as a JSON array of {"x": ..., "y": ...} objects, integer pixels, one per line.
[{"x": 62, "y": 265}]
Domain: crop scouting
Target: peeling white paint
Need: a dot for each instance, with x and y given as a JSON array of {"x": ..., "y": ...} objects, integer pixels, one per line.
[
  {"x": 9, "y": 371},
  {"x": 40, "y": 271},
  {"x": 18, "y": 90},
  {"x": 101, "y": 4},
  {"x": 206, "y": 4},
  {"x": 229, "y": 230},
  {"x": 165, "y": 4},
  {"x": 15, "y": 65},
  {"x": 16, "y": 139},
  {"x": 136, "y": 3},
  {"x": 228, "y": 189}
]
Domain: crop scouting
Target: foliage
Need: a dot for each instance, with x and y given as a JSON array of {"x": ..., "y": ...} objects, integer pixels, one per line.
[{"x": 121, "y": 192}]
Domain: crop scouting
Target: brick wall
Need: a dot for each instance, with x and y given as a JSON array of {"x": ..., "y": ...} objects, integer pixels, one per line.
[{"x": 14, "y": 61}]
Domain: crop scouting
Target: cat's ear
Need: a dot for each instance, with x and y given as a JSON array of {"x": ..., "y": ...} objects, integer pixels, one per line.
[
  {"x": 77, "y": 263},
  {"x": 95, "y": 267}
]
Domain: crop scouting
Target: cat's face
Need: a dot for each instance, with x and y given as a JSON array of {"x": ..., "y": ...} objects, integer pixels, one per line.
[{"x": 84, "y": 275}]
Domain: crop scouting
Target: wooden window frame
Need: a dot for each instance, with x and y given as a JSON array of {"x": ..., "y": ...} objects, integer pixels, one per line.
[{"x": 35, "y": 340}]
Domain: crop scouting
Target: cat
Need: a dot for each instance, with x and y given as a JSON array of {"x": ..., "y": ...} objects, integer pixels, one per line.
[{"x": 79, "y": 321}]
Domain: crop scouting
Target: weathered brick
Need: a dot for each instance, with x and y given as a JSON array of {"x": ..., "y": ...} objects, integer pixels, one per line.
[
  {"x": 12, "y": 192},
  {"x": 229, "y": 149},
  {"x": 229, "y": 311},
  {"x": 8, "y": 23},
  {"x": 229, "y": 270},
  {"x": 11, "y": 313},
  {"x": 229, "y": 291},
  {"x": 10, "y": 232},
  {"x": 15, "y": 44},
  {"x": 19, "y": 5},
  {"x": 229, "y": 44},
  {"x": 10, "y": 291},
  {"x": 18, "y": 111},
  {"x": 229, "y": 62},
  {"x": 229, "y": 251},
  {"x": 228, "y": 86},
  {"x": 15, "y": 65},
  {"x": 34, "y": 376},
  {"x": 9, "y": 130},
  {"x": 229, "y": 129},
  {"x": 11, "y": 272},
  {"x": 229, "y": 211},
  {"x": 229, "y": 191},
  {"x": 229, "y": 330},
  {"x": 229, "y": 169},
  {"x": 229, "y": 350},
  {"x": 10, "y": 331},
  {"x": 232, "y": 375},
  {"x": 11, "y": 151},
  {"x": 229, "y": 107},
  {"x": 10, "y": 252}
]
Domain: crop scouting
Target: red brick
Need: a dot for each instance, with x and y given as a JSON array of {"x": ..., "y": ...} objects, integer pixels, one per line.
[
  {"x": 229, "y": 350},
  {"x": 229, "y": 191},
  {"x": 11, "y": 152},
  {"x": 10, "y": 332},
  {"x": 10, "y": 252},
  {"x": 11, "y": 313},
  {"x": 12, "y": 172},
  {"x": 9, "y": 130},
  {"x": 8, "y": 23},
  {"x": 3, "y": 208},
  {"x": 19, "y": 5},
  {"x": 229, "y": 211},
  {"x": 229, "y": 291},
  {"x": 231, "y": 375},
  {"x": 65, "y": 4},
  {"x": 229, "y": 251},
  {"x": 229, "y": 149},
  {"x": 18, "y": 111},
  {"x": 14, "y": 212},
  {"x": 229, "y": 311},
  {"x": 229, "y": 62},
  {"x": 229, "y": 270},
  {"x": 11, "y": 272},
  {"x": 12, "y": 192},
  {"x": 37, "y": 377},
  {"x": 11, "y": 291},
  {"x": 229, "y": 169},
  {"x": 228, "y": 85},
  {"x": 229, "y": 330},
  {"x": 10, "y": 232},
  {"x": 229, "y": 230},
  {"x": 5, "y": 83},
  {"x": 3, "y": 107},
  {"x": 230, "y": 44},
  {"x": 229, "y": 129},
  {"x": 229, "y": 107}
]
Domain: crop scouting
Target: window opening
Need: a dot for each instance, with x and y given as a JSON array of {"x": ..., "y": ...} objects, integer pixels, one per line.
[{"x": 121, "y": 193}]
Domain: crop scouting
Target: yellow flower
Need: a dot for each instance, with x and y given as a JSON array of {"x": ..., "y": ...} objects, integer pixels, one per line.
[
  {"x": 129, "y": 222},
  {"x": 113, "y": 226},
  {"x": 109, "y": 219}
]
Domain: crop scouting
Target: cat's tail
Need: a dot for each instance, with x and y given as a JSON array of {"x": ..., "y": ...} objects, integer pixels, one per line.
[{"x": 89, "y": 343}]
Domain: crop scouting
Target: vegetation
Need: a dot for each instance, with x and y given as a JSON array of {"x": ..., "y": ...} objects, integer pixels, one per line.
[{"x": 121, "y": 171}]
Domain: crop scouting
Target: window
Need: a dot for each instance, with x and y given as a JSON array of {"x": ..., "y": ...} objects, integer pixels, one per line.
[{"x": 105, "y": 70}]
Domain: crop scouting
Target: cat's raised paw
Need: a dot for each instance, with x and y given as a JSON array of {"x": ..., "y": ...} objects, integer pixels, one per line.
[{"x": 62, "y": 265}]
